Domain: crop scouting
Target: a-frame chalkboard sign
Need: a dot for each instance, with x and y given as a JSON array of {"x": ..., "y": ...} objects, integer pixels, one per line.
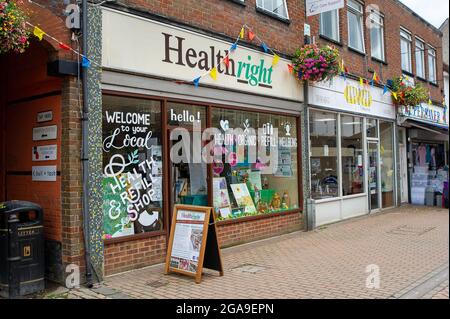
[{"x": 193, "y": 242}]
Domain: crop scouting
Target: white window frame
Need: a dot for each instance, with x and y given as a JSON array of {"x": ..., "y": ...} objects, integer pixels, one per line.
[
  {"x": 377, "y": 18},
  {"x": 420, "y": 50},
  {"x": 360, "y": 13},
  {"x": 260, "y": 5},
  {"x": 405, "y": 35},
  {"x": 431, "y": 53},
  {"x": 336, "y": 11}
]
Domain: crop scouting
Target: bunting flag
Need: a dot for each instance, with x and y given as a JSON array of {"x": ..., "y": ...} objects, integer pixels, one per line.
[
  {"x": 233, "y": 47},
  {"x": 385, "y": 89},
  {"x": 429, "y": 101},
  {"x": 372, "y": 83},
  {"x": 85, "y": 62},
  {"x": 196, "y": 81},
  {"x": 265, "y": 48},
  {"x": 290, "y": 68},
  {"x": 38, "y": 33},
  {"x": 226, "y": 61},
  {"x": 275, "y": 60},
  {"x": 251, "y": 35},
  {"x": 375, "y": 77},
  {"x": 64, "y": 46},
  {"x": 361, "y": 81},
  {"x": 213, "y": 73},
  {"x": 394, "y": 95},
  {"x": 242, "y": 33}
]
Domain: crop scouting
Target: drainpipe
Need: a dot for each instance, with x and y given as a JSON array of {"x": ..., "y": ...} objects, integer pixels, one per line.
[{"x": 84, "y": 155}]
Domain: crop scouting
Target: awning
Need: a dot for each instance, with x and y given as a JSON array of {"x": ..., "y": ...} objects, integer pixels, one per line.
[{"x": 435, "y": 128}]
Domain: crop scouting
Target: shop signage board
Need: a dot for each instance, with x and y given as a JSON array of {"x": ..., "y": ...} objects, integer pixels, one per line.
[
  {"x": 44, "y": 173},
  {"x": 193, "y": 243},
  {"x": 314, "y": 7},
  {"x": 44, "y": 116},
  {"x": 139, "y": 45},
  {"x": 44, "y": 153},
  {"x": 43, "y": 133},
  {"x": 349, "y": 96},
  {"x": 426, "y": 113}
]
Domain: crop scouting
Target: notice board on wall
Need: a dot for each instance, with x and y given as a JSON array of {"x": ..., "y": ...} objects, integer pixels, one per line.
[{"x": 193, "y": 243}]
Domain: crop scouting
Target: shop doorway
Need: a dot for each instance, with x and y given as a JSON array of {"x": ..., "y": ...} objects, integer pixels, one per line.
[
  {"x": 373, "y": 176},
  {"x": 403, "y": 165}
]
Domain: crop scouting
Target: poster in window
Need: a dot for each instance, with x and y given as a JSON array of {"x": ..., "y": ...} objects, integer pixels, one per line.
[{"x": 243, "y": 198}]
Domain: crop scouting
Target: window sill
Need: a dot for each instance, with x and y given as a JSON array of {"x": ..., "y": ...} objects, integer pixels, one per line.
[
  {"x": 242, "y": 3},
  {"x": 330, "y": 40},
  {"x": 408, "y": 73},
  {"x": 421, "y": 79},
  {"x": 379, "y": 61},
  {"x": 256, "y": 217},
  {"x": 356, "y": 51},
  {"x": 273, "y": 15},
  {"x": 134, "y": 237},
  {"x": 433, "y": 84}
]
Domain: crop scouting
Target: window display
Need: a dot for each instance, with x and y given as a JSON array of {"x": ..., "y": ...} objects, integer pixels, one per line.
[
  {"x": 323, "y": 148},
  {"x": 352, "y": 155},
  {"x": 132, "y": 166},
  {"x": 244, "y": 183}
]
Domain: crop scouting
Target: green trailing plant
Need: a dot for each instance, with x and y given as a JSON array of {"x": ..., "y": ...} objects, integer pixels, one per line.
[{"x": 407, "y": 95}]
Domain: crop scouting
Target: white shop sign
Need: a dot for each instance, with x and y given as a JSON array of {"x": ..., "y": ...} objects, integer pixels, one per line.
[
  {"x": 44, "y": 116},
  {"x": 43, "y": 133},
  {"x": 135, "y": 44},
  {"x": 44, "y": 173},
  {"x": 349, "y": 96},
  {"x": 431, "y": 114},
  {"x": 44, "y": 153},
  {"x": 314, "y": 7}
]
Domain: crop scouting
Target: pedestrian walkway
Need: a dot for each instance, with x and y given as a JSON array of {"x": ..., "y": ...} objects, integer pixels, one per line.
[{"x": 401, "y": 253}]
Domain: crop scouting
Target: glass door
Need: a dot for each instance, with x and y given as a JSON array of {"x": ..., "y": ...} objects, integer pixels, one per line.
[{"x": 373, "y": 175}]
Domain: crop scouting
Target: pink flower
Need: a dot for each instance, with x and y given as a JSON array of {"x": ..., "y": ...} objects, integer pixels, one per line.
[{"x": 22, "y": 39}]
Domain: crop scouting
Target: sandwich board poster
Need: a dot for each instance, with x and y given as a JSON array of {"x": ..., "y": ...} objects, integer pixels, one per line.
[{"x": 193, "y": 242}]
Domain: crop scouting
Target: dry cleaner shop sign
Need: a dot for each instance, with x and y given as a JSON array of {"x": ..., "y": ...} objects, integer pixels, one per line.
[{"x": 136, "y": 44}]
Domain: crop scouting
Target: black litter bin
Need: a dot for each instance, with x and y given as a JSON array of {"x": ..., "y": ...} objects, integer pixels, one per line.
[{"x": 21, "y": 249}]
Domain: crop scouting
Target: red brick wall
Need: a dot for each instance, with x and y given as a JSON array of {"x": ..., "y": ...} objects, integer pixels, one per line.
[
  {"x": 134, "y": 254},
  {"x": 227, "y": 17}
]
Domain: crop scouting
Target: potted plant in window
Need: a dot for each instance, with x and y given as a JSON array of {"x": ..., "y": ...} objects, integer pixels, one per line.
[
  {"x": 407, "y": 95},
  {"x": 315, "y": 64},
  {"x": 13, "y": 32}
]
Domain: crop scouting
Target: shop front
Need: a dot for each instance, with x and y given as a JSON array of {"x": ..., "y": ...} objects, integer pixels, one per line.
[
  {"x": 351, "y": 150},
  {"x": 230, "y": 143},
  {"x": 425, "y": 131}
]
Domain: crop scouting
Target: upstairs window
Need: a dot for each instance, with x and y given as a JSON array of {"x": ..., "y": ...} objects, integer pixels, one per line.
[
  {"x": 420, "y": 58},
  {"x": 377, "y": 35},
  {"x": 355, "y": 25},
  {"x": 432, "y": 65},
  {"x": 276, "y": 7},
  {"x": 329, "y": 24},
  {"x": 405, "y": 50}
]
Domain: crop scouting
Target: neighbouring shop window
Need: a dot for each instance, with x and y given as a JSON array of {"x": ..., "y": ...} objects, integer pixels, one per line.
[
  {"x": 405, "y": 50},
  {"x": 429, "y": 173},
  {"x": 387, "y": 163},
  {"x": 277, "y": 7},
  {"x": 329, "y": 24},
  {"x": 355, "y": 25},
  {"x": 132, "y": 166},
  {"x": 420, "y": 58},
  {"x": 255, "y": 167},
  {"x": 323, "y": 149},
  {"x": 377, "y": 35},
  {"x": 352, "y": 155},
  {"x": 188, "y": 171}
]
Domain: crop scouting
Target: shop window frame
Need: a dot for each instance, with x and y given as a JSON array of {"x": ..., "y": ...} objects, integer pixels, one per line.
[{"x": 166, "y": 157}]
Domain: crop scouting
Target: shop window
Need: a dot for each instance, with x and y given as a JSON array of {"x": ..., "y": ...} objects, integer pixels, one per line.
[
  {"x": 405, "y": 50},
  {"x": 377, "y": 35},
  {"x": 329, "y": 24},
  {"x": 255, "y": 166},
  {"x": 352, "y": 155},
  {"x": 387, "y": 164},
  {"x": 188, "y": 171},
  {"x": 132, "y": 166},
  {"x": 420, "y": 58},
  {"x": 355, "y": 25},
  {"x": 323, "y": 148}
]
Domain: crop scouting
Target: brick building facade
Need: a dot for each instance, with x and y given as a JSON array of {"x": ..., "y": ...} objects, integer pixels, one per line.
[{"x": 218, "y": 20}]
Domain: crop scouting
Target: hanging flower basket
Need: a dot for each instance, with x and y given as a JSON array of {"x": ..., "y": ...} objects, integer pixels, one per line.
[
  {"x": 406, "y": 95},
  {"x": 13, "y": 32},
  {"x": 316, "y": 64}
]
